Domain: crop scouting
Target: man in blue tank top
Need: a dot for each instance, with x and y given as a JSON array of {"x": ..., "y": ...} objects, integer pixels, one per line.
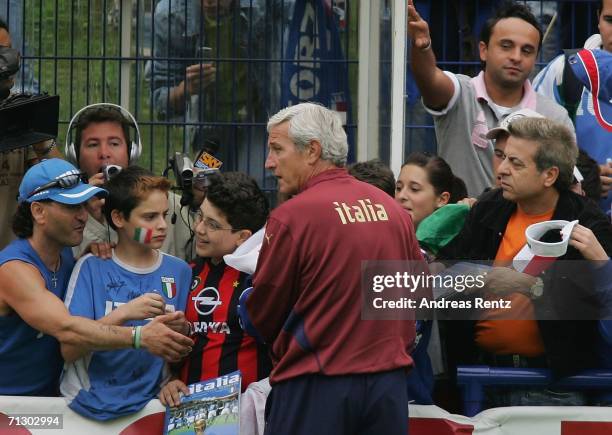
[{"x": 34, "y": 273}]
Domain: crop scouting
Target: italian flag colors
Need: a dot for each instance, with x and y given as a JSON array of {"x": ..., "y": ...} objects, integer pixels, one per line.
[
  {"x": 168, "y": 287},
  {"x": 143, "y": 235}
]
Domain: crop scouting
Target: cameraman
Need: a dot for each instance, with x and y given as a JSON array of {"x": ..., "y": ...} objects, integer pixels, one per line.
[
  {"x": 102, "y": 138},
  {"x": 14, "y": 163}
]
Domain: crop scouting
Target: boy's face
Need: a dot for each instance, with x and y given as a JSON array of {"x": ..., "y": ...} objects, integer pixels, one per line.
[
  {"x": 214, "y": 235},
  {"x": 147, "y": 222}
]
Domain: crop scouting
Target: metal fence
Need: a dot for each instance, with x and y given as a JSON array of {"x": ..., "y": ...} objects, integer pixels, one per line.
[
  {"x": 142, "y": 54},
  {"x": 251, "y": 57}
]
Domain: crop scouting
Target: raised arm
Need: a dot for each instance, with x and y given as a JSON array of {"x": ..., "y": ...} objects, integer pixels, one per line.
[
  {"x": 436, "y": 87},
  {"x": 23, "y": 290}
]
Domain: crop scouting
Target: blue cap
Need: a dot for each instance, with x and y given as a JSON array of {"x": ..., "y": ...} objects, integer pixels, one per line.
[
  {"x": 594, "y": 70},
  {"x": 48, "y": 171}
]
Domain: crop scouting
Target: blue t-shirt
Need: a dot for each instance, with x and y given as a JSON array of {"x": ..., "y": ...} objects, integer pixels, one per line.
[
  {"x": 107, "y": 384},
  {"x": 30, "y": 361}
]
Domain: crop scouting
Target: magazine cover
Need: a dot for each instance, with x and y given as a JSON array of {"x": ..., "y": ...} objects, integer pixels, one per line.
[{"x": 211, "y": 408}]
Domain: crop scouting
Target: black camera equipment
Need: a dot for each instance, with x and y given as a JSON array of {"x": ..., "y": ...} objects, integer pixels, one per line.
[
  {"x": 27, "y": 119},
  {"x": 24, "y": 119},
  {"x": 201, "y": 179},
  {"x": 110, "y": 171},
  {"x": 182, "y": 168}
]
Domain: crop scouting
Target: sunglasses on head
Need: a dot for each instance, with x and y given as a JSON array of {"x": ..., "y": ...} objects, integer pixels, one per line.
[{"x": 65, "y": 181}]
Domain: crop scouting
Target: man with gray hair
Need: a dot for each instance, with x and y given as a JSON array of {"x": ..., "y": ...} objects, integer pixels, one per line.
[
  {"x": 540, "y": 330},
  {"x": 334, "y": 373}
]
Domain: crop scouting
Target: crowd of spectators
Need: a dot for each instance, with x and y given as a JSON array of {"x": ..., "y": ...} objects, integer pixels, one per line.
[{"x": 96, "y": 278}]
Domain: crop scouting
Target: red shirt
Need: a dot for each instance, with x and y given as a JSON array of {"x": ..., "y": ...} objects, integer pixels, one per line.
[
  {"x": 221, "y": 346},
  {"x": 306, "y": 301}
]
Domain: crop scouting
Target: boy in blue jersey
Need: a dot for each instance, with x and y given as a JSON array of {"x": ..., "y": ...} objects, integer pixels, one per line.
[{"x": 139, "y": 282}]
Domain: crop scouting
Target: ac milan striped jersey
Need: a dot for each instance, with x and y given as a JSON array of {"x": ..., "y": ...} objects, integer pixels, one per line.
[{"x": 221, "y": 346}]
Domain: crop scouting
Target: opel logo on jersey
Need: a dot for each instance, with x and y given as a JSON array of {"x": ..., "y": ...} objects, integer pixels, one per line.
[{"x": 206, "y": 301}]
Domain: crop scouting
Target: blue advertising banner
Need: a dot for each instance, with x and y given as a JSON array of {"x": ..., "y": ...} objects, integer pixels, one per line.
[{"x": 318, "y": 71}]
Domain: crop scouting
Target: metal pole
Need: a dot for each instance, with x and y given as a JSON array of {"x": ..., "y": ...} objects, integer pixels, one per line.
[
  {"x": 126, "y": 45},
  {"x": 398, "y": 85},
  {"x": 368, "y": 80}
]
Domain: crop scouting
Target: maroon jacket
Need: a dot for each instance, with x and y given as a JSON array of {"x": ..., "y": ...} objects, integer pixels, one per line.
[{"x": 306, "y": 301}]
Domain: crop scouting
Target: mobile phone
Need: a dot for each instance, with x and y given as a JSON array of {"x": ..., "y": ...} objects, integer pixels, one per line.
[{"x": 204, "y": 52}]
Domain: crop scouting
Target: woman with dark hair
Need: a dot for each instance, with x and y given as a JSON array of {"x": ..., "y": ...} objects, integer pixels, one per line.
[
  {"x": 426, "y": 183},
  {"x": 428, "y": 189}
]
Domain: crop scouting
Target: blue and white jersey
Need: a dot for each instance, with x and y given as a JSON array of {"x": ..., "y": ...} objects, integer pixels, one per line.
[
  {"x": 107, "y": 384},
  {"x": 591, "y": 136},
  {"x": 30, "y": 361}
]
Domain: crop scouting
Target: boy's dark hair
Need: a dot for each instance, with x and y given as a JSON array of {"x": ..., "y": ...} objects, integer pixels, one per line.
[
  {"x": 510, "y": 9},
  {"x": 591, "y": 183},
  {"x": 23, "y": 223},
  {"x": 97, "y": 115},
  {"x": 239, "y": 198},
  {"x": 128, "y": 189},
  {"x": 3, "y": 25},
  {"x": 440, "y": 175},
  {"x": 376, "y": 173}
]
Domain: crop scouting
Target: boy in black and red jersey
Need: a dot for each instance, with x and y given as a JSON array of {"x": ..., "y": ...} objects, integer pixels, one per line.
[{"x": 234, "y": 210}]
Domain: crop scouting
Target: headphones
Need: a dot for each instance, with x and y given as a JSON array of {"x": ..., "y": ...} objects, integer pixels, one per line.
[{"x": 135, "y": 146}]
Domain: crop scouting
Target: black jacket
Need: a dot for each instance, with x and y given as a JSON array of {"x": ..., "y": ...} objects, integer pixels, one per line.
[{"x": 568, "y": 287}]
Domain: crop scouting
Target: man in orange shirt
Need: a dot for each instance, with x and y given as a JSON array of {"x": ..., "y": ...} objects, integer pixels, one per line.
[{"x": 535, "y": 177}]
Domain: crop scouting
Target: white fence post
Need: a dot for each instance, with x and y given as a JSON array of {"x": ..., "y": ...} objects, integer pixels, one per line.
[
  {"x": 369, "y": 80},
  {"x": 398, "y": 85}
]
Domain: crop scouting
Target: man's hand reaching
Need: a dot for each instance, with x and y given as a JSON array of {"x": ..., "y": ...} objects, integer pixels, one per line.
[{"x": 162, "y": 341}]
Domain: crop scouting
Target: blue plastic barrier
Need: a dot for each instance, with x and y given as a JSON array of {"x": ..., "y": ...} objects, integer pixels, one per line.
[{"x": 473, "y": 380}]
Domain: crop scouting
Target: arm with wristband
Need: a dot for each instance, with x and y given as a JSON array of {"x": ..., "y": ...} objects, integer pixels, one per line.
[
  {"x": 23, "y": 289},
  {"x": 80, "y": 301},
  {"x": 80, "y": 333}
]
